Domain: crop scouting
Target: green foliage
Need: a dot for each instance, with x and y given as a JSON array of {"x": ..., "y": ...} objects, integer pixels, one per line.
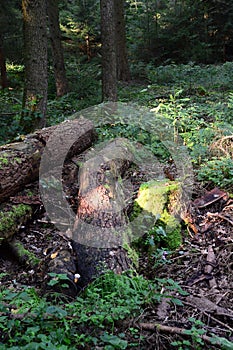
[
  {"x": 58, "y": 279},
  {"x": 154, "y": 197},
  {"x": 89, "y": 320},
  {"x": 197, "y": 330},
  {"x": 217, "y": 170},
  {"x": 9, "y": 219},
  {"x": 180, "y": 31},
  {"x": 86, "y": 91},
  {"x": 10, "y": 105}
]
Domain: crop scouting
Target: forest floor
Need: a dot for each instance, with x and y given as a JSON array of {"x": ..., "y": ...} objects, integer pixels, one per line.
[
  {"x": 202, "y": 266},
  {"x": 192, "y": 308}
]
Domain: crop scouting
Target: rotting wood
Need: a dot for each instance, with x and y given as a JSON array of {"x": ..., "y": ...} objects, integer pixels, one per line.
[
  {"x": 20, "y": 161},
  {"x": 204, "y": 304}
]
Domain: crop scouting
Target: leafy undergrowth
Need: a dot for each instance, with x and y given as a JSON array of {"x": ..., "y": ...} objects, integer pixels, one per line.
[{"x": 178, "y": 299}]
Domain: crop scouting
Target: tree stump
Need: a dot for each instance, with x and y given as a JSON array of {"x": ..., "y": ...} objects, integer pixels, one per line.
[{"x": 101, "y": 230}]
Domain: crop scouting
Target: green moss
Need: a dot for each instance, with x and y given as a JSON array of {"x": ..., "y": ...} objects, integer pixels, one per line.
[
  {"x": 11, "y": 219},
  {"x": 156, "y": 197},
  {"x": 135, "y": 211},
  {"x": 173, "y": 238},
  {"x": 18, "y": 160},
  {"x": 25, "y": 254},
  {"x": 29, "y": 193},
  {"x": 132, "y": 254}
]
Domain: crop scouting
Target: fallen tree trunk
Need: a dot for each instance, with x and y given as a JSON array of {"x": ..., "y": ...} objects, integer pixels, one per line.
[
  {"x": 20, "y": 161},
  {"x": 101, "y": 230}
]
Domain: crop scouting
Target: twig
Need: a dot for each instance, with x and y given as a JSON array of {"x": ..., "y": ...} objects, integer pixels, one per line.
[
  {"x": 219, "y": 215},
  {"x": 175, "y": 330},
  {"x": 218, "y": 321},
  {"x": 225, "y": 218}
]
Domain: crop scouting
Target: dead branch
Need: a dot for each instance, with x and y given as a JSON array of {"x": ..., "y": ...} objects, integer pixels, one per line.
[{"x": 175, "y": 330}]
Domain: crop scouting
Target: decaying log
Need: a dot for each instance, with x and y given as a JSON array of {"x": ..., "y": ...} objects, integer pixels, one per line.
[
  {"x": 17, "y": 250},
  {"x": 20, "y": 161},
  {"x": 101, "y": 229}
]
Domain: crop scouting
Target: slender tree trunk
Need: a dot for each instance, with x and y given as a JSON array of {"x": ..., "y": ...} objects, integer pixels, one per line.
[
  {"x": 4, "y": 82},
  {"x": 36, "y": 76},
  {"x": 123, "y": 72},
  {"x": 57, "y": 49},
  {"x": 109, "y": 71}
]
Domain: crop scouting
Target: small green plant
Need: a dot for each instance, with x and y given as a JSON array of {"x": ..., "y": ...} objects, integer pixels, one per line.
[
  {"x": 196, "y": 332},
  {"x": 58, "y": 279},
  {"x": 196, "y": 341},
  {"x": 112, "y": 341}
]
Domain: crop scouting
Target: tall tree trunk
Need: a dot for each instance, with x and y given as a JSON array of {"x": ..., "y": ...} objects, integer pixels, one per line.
[
  {"x": 4, "y": 82},
  {"x": 109, "y": 71},
  {"x": 36, "y": 76},
  {"x": 57, "y": 49},
  {"x": 123, "y": 72}
]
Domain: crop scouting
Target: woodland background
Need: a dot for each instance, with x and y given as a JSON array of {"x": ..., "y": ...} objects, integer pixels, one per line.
[{"x": 175, "y": 59}]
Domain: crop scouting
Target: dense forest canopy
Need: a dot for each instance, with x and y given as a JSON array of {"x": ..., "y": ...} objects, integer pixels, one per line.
[{"x": 180, "y": 31}]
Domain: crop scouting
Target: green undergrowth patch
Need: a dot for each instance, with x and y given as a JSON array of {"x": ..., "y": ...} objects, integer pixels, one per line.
[
  {"x": 219, "y": 171},
  {"x": 198, "y": 101},
  {"x": 29, "y": 321},
  {"x": 98, "y": 318}
]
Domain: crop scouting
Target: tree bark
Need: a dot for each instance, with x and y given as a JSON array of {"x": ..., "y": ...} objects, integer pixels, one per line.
[
  {"x": 109, "y": 69},
  {"x": 4, "y": 82},
  {"x": 123, "y": 72},
  {"x": 36, "y": 76},
  {"x": 101, "y": 231},
  {"x": 57, "y": 49},
  {"x": 20, "y": 161}
]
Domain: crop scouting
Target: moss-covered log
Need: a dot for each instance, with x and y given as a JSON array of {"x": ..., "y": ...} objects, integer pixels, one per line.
[
  {"x": 23, "y": 255},
  {"x": 20, "y": 161},
  {"x": 12, "y": 217}
]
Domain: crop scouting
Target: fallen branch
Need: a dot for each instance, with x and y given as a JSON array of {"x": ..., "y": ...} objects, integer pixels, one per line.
[{"x": 179, "y": 331}]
